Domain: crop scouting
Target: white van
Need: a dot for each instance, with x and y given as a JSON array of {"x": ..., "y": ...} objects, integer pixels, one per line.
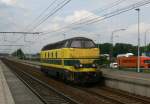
[{"x": 114, "y": 65}]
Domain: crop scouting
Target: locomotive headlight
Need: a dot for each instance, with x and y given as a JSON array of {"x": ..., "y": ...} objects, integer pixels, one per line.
[
  {"x": 94, "y": 65},
  {"x": 78, "y": 66},
  {"x": 81, "y": 65}
]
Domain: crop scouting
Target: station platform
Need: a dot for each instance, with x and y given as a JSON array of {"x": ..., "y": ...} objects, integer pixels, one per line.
[
  {"x": 5, "y": 94},
  {"x": 12, "y": 90},
  {"x": 133, "y": 82}
]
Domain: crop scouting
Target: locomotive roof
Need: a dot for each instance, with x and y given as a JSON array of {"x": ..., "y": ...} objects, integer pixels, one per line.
[{"x": 74, "y": 38}]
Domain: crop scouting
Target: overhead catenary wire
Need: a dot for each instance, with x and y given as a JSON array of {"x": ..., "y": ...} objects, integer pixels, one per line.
[
  {"x": 99, "y": 10},
  {"x": 55, "y": 10},
  {"x": 114, "y": 13},
  {"x": 59, "y": 7},
  {"x": 41, "y": 14},
  {"x": 108, "y": 15},
  {"x": 108, "y": 7},
  {"x": 37, "y": 18},
  {"x": 117, "y": 12}
]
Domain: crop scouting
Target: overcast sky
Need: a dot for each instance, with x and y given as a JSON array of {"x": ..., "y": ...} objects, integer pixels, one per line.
[{"x": 21, "y": 15}]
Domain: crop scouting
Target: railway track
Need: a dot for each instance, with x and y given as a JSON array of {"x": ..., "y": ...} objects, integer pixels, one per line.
[
  {"x": 46, "y": 93},
  {"x": 92, "y": 95},
  {"x": 116, "y": 97},
  {"x": 126, "y": 94}
]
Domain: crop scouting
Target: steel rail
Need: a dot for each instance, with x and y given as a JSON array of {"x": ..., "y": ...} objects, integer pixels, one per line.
[
  {"x": 65, "y": 97},
  {"x": 126, "y": 94},
  {"x": 107, "y": 98}
]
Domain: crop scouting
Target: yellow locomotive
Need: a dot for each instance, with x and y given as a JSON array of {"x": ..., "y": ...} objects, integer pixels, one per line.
[{"x": 73, "y": 59}]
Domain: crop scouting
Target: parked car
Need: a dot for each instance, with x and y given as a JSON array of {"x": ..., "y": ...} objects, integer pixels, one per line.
[{"x": 114, "y": 65}]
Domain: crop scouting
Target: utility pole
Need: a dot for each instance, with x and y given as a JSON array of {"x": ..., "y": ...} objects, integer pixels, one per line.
[{"x": 138, "y": 61}]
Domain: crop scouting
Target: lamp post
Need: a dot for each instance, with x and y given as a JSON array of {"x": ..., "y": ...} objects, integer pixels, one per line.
[
  {"x": 112, "y": 41},
  {"x": 138, "y": 61}
]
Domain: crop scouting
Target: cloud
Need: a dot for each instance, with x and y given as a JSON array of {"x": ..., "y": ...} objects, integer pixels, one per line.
[
  {"x": 51, "y": 27},
  {"x": 78, "y": 15},
  {"x": 8, "y": 2},
  {"x": 143, "y": 27}
]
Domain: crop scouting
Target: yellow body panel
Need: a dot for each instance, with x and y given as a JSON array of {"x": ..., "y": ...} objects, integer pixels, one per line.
[
  {"x": 80, "y": 53},
  {"x": 85, "y": 56},
  {"x": 70, "y": 68},
  {"x": 71, "y": 53}
]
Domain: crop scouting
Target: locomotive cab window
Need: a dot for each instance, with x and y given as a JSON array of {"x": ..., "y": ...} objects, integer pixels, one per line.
[
  {"x": 82, "y": 44},
  {"x": 76, "y": 44},
  {"x": 88, "y": 44},
  {"x": 66, "y": 44}
]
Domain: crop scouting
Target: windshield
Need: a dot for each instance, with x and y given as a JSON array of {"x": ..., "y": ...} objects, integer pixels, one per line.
[
  {"x": 82, "y": 44},
  {"x": 147, "y": 61}
]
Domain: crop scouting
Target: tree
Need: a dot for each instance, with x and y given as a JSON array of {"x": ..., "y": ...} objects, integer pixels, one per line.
[
  {"x": 105, "y": 48},
  {"x": 121, "y": 48},
  {"x": 19, "y": 53}
]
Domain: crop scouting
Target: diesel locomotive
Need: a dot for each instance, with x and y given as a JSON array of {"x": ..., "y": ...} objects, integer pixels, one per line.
[{"x": 73, "y": 59}]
